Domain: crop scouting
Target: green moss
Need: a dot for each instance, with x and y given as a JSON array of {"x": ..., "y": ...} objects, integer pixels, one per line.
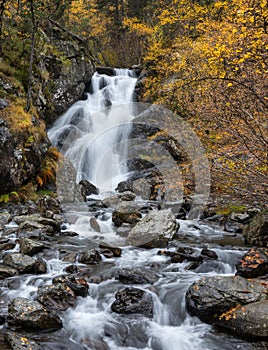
[{"x": 231, "y": 208}]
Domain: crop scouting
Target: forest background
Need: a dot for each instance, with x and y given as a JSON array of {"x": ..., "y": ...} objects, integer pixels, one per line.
[{"x": 205, "y": 60}]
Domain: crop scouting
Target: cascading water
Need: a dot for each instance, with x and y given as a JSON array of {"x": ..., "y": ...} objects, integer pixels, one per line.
[
  {"x": 90, "y": 132},
  {"x": 87, "y": 133}
]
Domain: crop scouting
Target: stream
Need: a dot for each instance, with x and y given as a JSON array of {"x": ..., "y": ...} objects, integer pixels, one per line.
[{"x": 100, "y": 158}]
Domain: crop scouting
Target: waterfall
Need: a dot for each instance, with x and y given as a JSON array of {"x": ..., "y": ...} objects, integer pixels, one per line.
[{"x": 91, "y": 133}]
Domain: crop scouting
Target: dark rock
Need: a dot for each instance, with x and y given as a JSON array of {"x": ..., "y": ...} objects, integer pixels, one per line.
[
  {"x": 6, "y": 271},
  {"x": 30, "y": 247},
  {"x": 91, "y": 257},
  {"x": 130, "y": 276},
  {"x": 6, "y": 244},
  {"x": 19, "y": 341},
  {"x": 133, "y": 301},
  {"x": 28, "y": 314},
  {"x": 125, "y": 186},
  {"x": 210, "y": 297},
  {"x": 208, "y": 254},
  {"x": 116, "y": 251},
  {"x": 126, "y": 214},
  {"x": 40, "y": 266},
  {"x": 256, "y": 232},
  {"x": 253, "y": 264},
  {"x": 71, "y": 269},
  {"x": 87, "y": 188},
  {"x": 78, "y": 285},
  {"x": 106, "y": 70},
  {"x": 155, "y": 230},
  {"x": 56, "y": 297},
  {"x": 248, "y": 321}
]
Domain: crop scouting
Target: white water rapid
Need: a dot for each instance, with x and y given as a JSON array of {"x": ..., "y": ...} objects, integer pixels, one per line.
[{"x": 91, "y": 131}]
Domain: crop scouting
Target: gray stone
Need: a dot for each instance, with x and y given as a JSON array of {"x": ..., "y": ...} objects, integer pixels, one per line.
[
  {"x": 24, "y": 263},
  {"x": 30, "y": 247},
  {"x": 28, "y": 314},
  {"x": 155, "y": 230},
  {"x": 126, "y": 213}
]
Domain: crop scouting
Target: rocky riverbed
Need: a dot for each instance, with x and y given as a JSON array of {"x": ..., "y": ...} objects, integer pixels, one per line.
[{"x": 150, "y": 281}]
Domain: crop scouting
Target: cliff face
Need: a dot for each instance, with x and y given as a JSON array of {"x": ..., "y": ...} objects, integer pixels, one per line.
[
  {"x": 64, "y": 67},
  {"x": 61, "y": 70}
]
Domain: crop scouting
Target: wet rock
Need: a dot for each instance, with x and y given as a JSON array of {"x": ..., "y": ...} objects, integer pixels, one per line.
[
  {"x": 6, "y": 244},
  {"x": 210, "y": 297},
  {"x": 126, "y": 214},
  {"x": 116, "y": 251},
  {"x": 91, "y": 257},
  {"x": 78, "y": 285},
  {"x": 31, "y": 247},
  {"x": 24, "y": 263},
  {"x": 247, "y": 321},
  {"x": 155, "y": 230},
  {"x": 87, "y": 188},
  {"x": 106, "y": 70},
  {"x": 256, "y": 232},
  {"x": 6, "y": 271},
  {"x": 57, "y": 297},
  {"x": 253, "y": 264},
  {"x": 208, "y": 254},
  {"x": 71, "y": 269},
  {"x": 125, "y": 186},
  {"x": 133, "y": 301},
  {"x": 19, "y": 341},
  {"x": 28, "y": 314},
  {"x": 130, "y": 276}
]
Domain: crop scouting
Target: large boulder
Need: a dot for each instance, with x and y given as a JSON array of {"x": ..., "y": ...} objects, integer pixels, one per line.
[
  {"x": 133, "y": 301},
  {"x": 256, "y": 232},
  {"x": 212, "y": 296},
  {"x": 28, "y": 314},
  {"x": 248, "y": 321},
  {"x": 155, "y": 230}
]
